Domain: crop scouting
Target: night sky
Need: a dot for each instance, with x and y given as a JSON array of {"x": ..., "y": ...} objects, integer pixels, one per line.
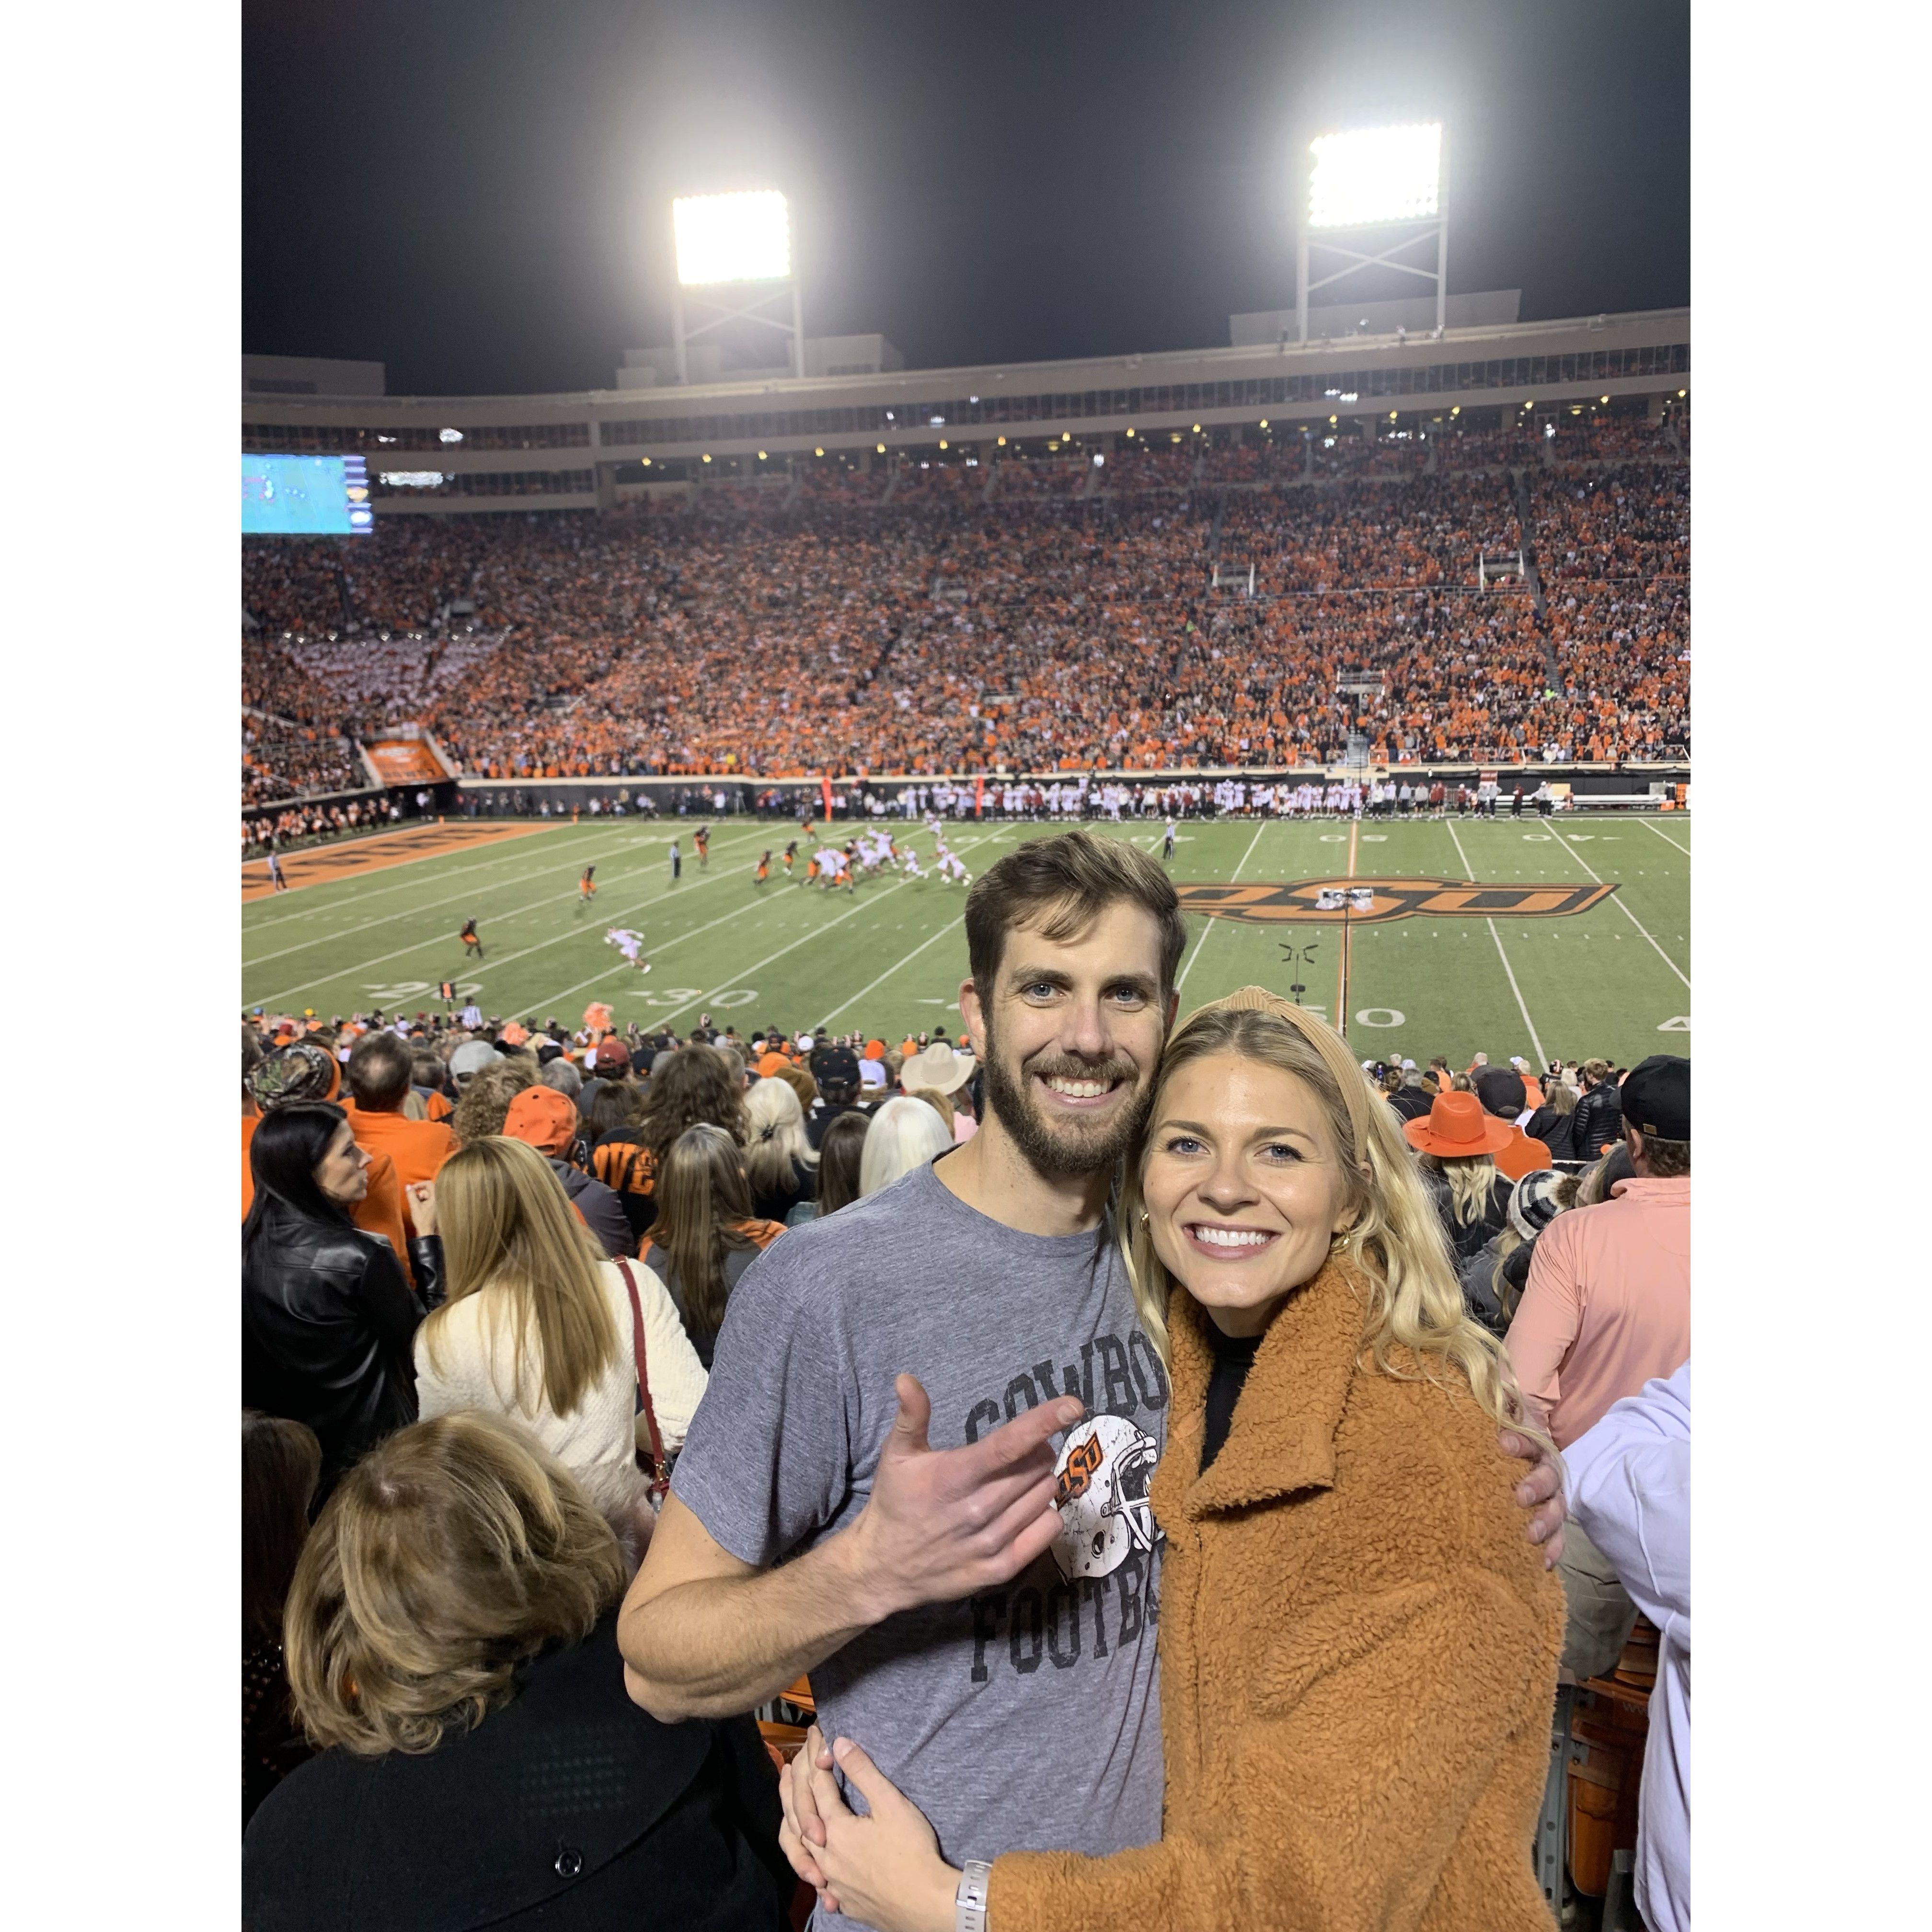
[{"x": 476, "y": 192}]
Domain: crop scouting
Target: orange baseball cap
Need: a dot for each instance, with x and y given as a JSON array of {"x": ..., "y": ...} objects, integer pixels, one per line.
[
  {"x": 770, "y": 1063},
  {"x": 875, "y": 1049},
  {"x": 544, "y": 1118}
]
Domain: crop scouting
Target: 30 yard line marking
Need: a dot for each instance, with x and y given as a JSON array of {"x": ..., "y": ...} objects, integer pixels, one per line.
[
  {"x": 1617, "y": 899},
  {"x": 1665, "y": 836},
  {"x": 1189, "y": 967},
  {"x": 1522, "y": 1005}
]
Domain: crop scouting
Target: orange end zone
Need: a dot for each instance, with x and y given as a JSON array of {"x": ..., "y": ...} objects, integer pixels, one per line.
[{"x": 325, "y": 864}]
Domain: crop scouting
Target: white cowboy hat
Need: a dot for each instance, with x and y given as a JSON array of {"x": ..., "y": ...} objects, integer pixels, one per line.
[{"x": 939, "y": 1069}]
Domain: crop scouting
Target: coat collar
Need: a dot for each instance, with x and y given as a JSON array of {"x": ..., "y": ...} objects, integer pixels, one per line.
[{"x": 1282, "y": 1439}]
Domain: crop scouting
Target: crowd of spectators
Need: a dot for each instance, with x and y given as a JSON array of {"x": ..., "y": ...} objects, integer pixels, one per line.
[
  {"x": 1036, "y": 627},
  {"x": 544, "y": 1191}
]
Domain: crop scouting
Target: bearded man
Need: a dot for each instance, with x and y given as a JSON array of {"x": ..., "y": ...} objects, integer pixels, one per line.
[{"x": 876, "y": 1487}]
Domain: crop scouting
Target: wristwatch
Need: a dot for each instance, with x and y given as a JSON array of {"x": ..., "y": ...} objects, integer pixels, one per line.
[{"x": 969, "y": 1902}]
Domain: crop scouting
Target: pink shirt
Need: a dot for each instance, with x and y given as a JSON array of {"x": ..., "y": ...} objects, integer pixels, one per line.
[{"x": 1607, "y": 1306}]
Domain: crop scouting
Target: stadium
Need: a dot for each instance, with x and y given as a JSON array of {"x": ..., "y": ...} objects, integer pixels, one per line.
[{"x": 791, "y": 872}]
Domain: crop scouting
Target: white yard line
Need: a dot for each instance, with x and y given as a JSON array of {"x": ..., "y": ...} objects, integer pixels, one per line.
[
  {"x": 1617, "y": 900},
  {"x": 1522, "y": 1004},
  {"x": 890, "y": 970},
  {"x": 1665, "y": 836},
  {"x": 469, "y": 892},
  {"x": 1188, "y": 966}
]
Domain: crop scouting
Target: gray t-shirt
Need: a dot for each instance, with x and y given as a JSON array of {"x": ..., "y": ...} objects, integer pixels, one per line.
[{"x": 1028, "y": 1719}]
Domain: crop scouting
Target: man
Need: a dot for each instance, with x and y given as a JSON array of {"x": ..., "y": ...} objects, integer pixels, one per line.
[
  {"x": 1167, "y": 843},
  {"x": 1500, "y": 1090},
  {"x": 547, "y": 1121},
  {"x": 1606, "y": 1309},
  {"x": 834, "y": 1070},
  {"x": 379, "y": 1076},
  {"x": 280, "y": 884},
  {"x": 677, "y": 862},
  {"x": 1630, "y": 1490},
  {"x": 1414, "y": 1099},
  {"x": 1598, "y": 1121},
  {"x": 926, "y": 1585}
]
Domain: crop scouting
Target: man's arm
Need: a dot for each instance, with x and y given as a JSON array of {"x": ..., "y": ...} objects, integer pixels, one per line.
[
  {"x": 705, "y": 1634},
  {"x": 1546, "y": 1320}
]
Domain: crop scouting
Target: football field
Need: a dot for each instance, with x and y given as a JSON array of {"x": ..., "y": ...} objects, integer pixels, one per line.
[{"x": 1559, "y": 939}]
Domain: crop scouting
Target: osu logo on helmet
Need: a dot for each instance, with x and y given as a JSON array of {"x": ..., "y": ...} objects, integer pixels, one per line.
[{"x": 1101, "y": 1493}]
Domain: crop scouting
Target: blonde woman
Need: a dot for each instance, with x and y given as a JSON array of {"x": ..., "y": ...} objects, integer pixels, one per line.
[
  {"x": 538, "y": 1326},
  {"x": 1358, "y": 1648},
  {"x": 1459, "y": 1144},
  {"x": 780, "y": 1163},
  {"x": 905, "y": 1133},
  {"x": 451, "y": 1640}
]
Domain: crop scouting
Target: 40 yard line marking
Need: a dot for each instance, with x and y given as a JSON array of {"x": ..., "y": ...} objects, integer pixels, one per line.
[
  {"x": 1189, "y": 967},
  {"x": 1522, "y": 1005},
  {"x": 1665, "y": 836}
]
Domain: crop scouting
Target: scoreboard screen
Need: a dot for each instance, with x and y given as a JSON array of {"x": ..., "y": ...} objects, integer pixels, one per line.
[{"x": 305, "y": 496}]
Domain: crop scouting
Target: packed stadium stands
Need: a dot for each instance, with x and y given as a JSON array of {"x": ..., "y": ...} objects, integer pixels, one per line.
[{"x": 1065, "y": 618}]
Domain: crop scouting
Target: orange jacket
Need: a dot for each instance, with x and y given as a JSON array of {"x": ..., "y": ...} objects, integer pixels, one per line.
[{"x": 417, "y": 1148}]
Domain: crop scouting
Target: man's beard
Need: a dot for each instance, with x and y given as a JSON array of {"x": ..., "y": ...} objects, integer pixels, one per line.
[{"x": 1076, "y": 1148}]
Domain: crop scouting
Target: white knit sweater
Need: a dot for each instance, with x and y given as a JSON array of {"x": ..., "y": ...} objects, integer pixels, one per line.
[{"x": 596, "y": 1442}]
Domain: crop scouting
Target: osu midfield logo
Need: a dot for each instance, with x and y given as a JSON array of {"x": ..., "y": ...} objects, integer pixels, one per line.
[{"x": 1326, "y": 902}]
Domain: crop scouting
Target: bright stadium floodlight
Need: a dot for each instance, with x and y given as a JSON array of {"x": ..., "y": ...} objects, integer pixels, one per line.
[
  {"x": 1375, "y": 174},
  {"x": 732, "y": 238},
  {"x": 734, "y": 259},
  {"x": 1372, "y": 194}
]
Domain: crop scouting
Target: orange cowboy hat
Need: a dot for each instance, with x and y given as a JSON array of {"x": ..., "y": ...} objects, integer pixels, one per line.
[{"x": 1455, "y": 1128}]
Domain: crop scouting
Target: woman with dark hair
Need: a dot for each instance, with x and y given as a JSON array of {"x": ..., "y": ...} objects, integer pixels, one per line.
[
  {"x": 327, "y": 1313},
  {"x": 281, "y": 1461},
  {"x": 689, "y": 1086},
  {"x": 840, "y": 1155},
  {"x": 705, "y": 1235},
  {"x": 451, "y": 1634}
]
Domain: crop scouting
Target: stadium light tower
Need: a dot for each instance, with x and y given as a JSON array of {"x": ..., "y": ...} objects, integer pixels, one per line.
[
  {"x": 734, "y": 259},
  {"x": 1382, "y": 189}
]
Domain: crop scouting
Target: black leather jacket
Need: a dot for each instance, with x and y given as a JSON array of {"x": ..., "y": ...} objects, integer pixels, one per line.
[
  {"x": 327, "y": 1317},
  {"x": 1599, "y": 1117}
]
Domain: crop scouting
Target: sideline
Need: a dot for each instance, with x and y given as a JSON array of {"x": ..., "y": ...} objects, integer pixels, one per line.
[{"x": 325, "y": 865}]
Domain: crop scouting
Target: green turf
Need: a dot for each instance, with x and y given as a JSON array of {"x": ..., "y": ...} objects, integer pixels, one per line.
[{"x": 889, "y": 958}]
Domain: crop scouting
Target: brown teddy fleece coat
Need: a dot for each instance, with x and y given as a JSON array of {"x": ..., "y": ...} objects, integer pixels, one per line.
[{"x": 1358, "y": 1651}]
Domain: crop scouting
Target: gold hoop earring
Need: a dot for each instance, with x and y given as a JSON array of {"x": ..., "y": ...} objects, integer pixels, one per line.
[{"x": 1144, "y": 1217}]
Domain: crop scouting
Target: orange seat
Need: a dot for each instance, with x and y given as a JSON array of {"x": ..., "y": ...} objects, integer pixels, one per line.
[{"x": 783, "y": 1742}]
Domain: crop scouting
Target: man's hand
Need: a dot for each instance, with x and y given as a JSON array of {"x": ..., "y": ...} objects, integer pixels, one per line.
[
  {"x": 422, "y": 1206},
  {"x": 943, "y": 1525},
  {"x": 1540, "y": 1492}
]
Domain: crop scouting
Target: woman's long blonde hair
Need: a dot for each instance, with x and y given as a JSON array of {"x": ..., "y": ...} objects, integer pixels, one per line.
[
  {"x": 1469, "y": 1177},
  {"x": 1394, "y": 1248},
  {"x": 507, "y": 1228}
]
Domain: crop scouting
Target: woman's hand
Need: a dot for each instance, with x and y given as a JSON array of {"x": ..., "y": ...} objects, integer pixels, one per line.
[
  {"x": 422, "y": 1206},
  {"x": 885, "y": 1868}
]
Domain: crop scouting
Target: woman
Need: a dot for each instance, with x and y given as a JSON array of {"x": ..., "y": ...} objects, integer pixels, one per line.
[
  {"x": 705, "y": 1235},
  {"x": 451, "y": 1641},
  {"x": 539, "y": 1327},
  {"x": 1552, "y": 1122},
  {"x": 905, "y": 1133},
  {"x": 1358, "y": 1647},
  {"x": 840, "y": 1155},
  {"x": 780, "y": 1163},
  {"x": 281, "y": 1461},
  {"x": 688, "y": 1087},
  {"x": 1459, "y": 1143},
  {"x": 327, "y": 1315}
]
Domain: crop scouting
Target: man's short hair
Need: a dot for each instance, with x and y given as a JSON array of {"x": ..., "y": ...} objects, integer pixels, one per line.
[
  {"x": 562, "y": 1075},
  {"x": 1063, "y": 884},
  {"x": 379, "y": 1072}
]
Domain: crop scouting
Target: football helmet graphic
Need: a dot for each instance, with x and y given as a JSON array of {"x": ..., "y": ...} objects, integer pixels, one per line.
[{"x": 1103, "y": 1471}]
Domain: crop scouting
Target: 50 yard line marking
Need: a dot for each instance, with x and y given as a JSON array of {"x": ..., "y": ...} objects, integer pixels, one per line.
[
  {"x": 1235, "y": 875},
  {"x": 1522, "y": 1005},
  {"x": 1342, "y": 978}
]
